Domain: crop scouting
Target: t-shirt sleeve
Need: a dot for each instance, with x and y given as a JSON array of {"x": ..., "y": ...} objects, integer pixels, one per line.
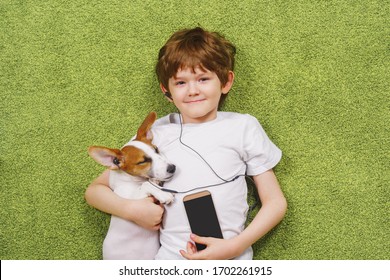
[{"x": 259, "y": 152}]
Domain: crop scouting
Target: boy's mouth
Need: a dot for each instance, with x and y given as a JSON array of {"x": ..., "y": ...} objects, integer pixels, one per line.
[{"x": 195, "y": 101}]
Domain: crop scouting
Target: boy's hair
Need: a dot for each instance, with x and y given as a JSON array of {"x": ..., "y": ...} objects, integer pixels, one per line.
[{"x": 195, "y": 48}]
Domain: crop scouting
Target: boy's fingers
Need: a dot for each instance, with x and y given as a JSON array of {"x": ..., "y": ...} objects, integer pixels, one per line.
[
  {"x": 198, "y": 239},
  {"x": 153, "y": 199},
  {"x": 191, "y": 248}
]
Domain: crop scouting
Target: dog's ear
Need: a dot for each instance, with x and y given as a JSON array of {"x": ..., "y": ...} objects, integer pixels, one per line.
[
  {"x": 110, "y": 158},
  {"x": 144, "y": 133}
]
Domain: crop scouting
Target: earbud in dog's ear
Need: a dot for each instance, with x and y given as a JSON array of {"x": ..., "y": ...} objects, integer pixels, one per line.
[{"x": 168, "y": 95}]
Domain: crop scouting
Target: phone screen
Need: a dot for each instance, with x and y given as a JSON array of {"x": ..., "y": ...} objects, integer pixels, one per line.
[{"x": 202, "y": 216}]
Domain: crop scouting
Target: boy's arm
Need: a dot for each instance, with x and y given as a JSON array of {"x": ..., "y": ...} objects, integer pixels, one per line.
[
  {"x": 144, "y": 212},
  {"x": 272, "y": 211}
]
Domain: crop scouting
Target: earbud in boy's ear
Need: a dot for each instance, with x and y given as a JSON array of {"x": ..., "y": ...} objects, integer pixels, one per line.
[{"x": 168, "y": 95}]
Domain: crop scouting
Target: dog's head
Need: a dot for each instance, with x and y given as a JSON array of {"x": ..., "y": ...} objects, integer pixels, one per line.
[{"x": 139, "y": 158}]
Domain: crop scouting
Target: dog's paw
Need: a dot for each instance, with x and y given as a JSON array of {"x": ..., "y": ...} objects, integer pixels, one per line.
[{"x": 164, "y": 197}]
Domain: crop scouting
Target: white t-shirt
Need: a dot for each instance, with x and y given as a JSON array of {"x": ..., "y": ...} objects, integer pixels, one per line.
[{"x": 232, "y": 144}]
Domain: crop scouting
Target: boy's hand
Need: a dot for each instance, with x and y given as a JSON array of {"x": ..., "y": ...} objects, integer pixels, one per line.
[
  {"x": 149, "y": 213},
  {"x": 217, "y": 249}
]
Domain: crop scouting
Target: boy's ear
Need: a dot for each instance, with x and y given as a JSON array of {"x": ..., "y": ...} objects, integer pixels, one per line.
[
  {"x": 110, "y": 158},
  {"x": 163, "y": 89},
  {"x": 226, "y": 88},
  {"x": 144, "y": 133},
  {"x": 166, "y": 92}
]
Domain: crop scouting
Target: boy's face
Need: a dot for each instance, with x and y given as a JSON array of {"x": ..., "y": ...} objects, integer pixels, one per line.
[{"x": 197, "y": 95}]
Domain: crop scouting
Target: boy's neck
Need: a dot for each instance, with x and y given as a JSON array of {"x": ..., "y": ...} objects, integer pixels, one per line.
[{"x": 198, "y": 120}]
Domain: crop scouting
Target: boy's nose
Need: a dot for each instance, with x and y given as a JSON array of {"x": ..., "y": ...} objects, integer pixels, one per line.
[{"x": 193, "y": 89}]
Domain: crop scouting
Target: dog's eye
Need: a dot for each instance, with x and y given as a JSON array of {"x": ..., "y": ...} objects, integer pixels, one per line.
[
  {"x": 116, "y": 161},
  {"x": 156, "y": 150},
  {"x": 146, "y": 160}
]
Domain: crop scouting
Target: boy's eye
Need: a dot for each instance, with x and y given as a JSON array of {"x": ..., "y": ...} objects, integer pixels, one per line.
[
  {"x": 179, "y": 83},
  {"x": 204, "y": 79}
]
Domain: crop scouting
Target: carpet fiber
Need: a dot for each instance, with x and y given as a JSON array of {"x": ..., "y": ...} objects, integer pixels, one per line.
[{"x": 80, "y": 73}]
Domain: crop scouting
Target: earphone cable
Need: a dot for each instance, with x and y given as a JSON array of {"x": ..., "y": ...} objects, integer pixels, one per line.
[
  {"x": 193, "y": 189},
  {"x": 212, "y": 169},
  {"x": 224, "y": 181}
]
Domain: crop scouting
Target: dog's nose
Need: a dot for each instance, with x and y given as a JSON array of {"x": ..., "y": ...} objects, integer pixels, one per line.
[{"x": 171, "y": 168}]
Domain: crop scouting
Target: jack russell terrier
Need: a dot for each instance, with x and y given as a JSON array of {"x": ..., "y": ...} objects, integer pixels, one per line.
[{"x": 131, "y": 168}]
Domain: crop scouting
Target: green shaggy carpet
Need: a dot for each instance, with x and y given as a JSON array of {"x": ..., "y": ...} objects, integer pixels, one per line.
[{"x": 80, "y": 73}]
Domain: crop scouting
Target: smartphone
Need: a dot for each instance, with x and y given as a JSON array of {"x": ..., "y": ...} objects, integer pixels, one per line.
[{"x": 202, "y": 216}]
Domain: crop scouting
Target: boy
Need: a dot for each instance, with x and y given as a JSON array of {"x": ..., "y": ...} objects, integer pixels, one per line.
[{"x": 195, "y": 71}]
